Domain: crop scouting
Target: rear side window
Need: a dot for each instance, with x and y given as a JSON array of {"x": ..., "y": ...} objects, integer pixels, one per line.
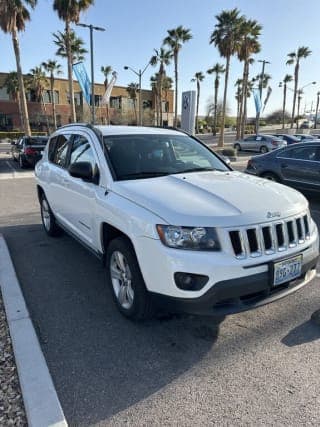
[
  {"x": 36, "y": 141},
  {"x": 60, "y": 150},
  {"x": 301, "y": 153}
]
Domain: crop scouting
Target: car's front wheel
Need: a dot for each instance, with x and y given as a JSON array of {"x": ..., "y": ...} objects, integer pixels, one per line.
[
  {"x": 22, "y": 163},
  {"x": 271, "y": 176},
  {"x": 237, "y": 147},
  {"x": 125, "y": 278},
  {"x": 48, "y": 220}
]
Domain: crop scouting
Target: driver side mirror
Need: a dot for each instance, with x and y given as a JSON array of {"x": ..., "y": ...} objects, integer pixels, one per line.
[{"x": 81, "y": 170}]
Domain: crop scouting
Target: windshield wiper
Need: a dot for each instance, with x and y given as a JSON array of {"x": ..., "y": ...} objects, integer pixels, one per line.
[
  {"x": 144, "y": 174},
  {"x": 195, "y": 170}
]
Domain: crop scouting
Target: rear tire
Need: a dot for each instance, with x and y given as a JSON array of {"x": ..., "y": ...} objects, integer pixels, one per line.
[
  {"x": 48, "y": 220},
  {"x": 125, "y": 279},
  {"x": 237, "y": 147},
  {"x": 263, "y": 149},
  {"x": 271, "y": 176}
]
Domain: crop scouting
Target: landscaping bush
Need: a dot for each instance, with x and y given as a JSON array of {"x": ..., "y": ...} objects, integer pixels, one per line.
[
  {"x": 19, "y": 134},
  {"x": 229, "y": 152}
]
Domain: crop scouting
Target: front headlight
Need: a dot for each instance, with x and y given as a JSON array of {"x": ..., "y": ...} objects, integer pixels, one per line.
[{"x": 192, "y": 238}]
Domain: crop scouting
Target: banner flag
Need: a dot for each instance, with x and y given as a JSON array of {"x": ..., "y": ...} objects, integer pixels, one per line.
[
  {"x": 267, "y": 97},
  {"x": 106, "y": 97},
  {"x": 257, "y": 100},
  {"x": 83, "y": 79}
]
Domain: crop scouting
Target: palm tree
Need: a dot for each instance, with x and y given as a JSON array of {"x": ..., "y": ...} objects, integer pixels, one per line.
[
  {"x": 198, "y": 77},
  {"x": 238, "y": 96},
  {"x": 52, "y": 67},
  {"x": 175, "y": 39},
  {"x": 75, "y": 43},
  {"x": 163, "y": 58},
  {"x": 133, "y": 89},
  {"x": 38, "y": 81},
  {"x": 166, "y": 86},
  {"x": 287, "y": 79},
  {"x": 226, "y": 38},
  {"x": 248, "y": 45},
  {"x": 13, "y": 16},
  {"x": 11, "y": 84},
  {"x": 294, "y": 59},
  {"x": 69, "y": 11},
  {"x": 154, "y": 83},
  {"x": 106, "y": 71},
  {"x": 217, "y": 69}
]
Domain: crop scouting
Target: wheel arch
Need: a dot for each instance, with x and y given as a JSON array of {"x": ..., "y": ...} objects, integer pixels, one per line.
[
  {"x": 266, "y": 172},
  {"x": 108, "y": 232},
  {"x": 40, "y": 192}
]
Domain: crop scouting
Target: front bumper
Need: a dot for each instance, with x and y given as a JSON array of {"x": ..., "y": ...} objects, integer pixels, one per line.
[{"x": 237, "y": 295}]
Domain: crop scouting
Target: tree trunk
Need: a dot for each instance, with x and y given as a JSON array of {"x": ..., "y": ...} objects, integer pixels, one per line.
[
  {"x": 197, "y": 111},
  {"x": 244, "y": 99},
  {"x": 70, "y": 78},
  {"x": 53, "y": 104},
  {"x": 22, "y": 94},
  {"x": 296, "y": 75},
  {"x": 215, "y": 119},
  {"x": 175, "y": 121},
  {"x": 284, "y": 103},
  {"x": 239, "y": 130},
  {"x": 226, "y": 78},
  {"x": 160, "y": 92}
]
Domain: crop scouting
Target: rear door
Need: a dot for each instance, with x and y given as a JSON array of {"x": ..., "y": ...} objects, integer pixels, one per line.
[
  {"x": 249, "y": 143},
  {"x": 300, "y": 167}
]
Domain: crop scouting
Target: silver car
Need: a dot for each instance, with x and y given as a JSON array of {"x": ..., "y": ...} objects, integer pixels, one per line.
[{"x": 260, "y": 143}]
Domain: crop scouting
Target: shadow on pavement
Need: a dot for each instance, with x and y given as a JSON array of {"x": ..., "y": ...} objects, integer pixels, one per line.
[
  {"x": 100, "y": 362},
  {"x": 304, "y": 333}
]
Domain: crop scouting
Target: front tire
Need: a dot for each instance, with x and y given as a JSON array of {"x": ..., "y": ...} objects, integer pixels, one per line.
[
  {"x": 22, "y": 163},
  {"x": 48, "y": 220},
  {"x": 237, "y": 147},
  {"x": 126, "y": 281},
  {"x": 271, "y": 177}
]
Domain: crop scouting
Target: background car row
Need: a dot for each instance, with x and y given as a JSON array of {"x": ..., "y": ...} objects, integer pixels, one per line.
[{"x": 28, "y": 150}]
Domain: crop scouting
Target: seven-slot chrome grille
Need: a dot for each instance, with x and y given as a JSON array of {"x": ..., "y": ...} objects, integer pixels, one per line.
[{"x": 278, "y": 236}]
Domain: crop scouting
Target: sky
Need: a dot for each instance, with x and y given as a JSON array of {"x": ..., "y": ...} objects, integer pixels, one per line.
[{"x": 135, "y": 28}]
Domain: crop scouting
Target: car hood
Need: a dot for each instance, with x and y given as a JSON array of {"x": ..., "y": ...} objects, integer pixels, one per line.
[{"x": 213, "y": 198}]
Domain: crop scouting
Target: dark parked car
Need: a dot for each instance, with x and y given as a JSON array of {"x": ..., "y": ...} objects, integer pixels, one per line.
[
  {"x": 297, "y": 165},
  {"x": 291, "y": 139},
  {"x": 304, "y": 137},
  {"x": 27, "y": 150}
]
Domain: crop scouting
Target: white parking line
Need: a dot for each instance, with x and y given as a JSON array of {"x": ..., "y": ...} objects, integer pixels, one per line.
[{"x": 10, "y": 166}]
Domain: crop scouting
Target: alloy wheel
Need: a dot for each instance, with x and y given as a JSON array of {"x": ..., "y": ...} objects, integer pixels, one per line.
[{"x": 121, "y": 278}]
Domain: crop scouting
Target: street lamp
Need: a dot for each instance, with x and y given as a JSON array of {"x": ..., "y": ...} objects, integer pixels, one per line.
[
  {"x": 91, "y": 27},
  {"x": 316, "y": 116},
  {"x": 264, "y": 62},
  {"x": 300, "y": 93},
  {"x": 139, "y": 74}
]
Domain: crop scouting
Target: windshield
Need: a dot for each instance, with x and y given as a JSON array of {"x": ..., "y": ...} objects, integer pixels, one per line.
[{"x": 146, "y": 156}]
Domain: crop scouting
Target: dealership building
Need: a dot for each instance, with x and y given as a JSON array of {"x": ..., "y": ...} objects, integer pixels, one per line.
[{"x": 122, "y": 108}]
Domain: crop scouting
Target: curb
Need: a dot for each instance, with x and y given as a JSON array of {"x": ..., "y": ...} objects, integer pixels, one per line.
[{"x": 39, "y": 395}]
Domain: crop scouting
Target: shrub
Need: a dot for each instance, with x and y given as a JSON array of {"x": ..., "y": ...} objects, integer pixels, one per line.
[{"x": 19, "y": 134}]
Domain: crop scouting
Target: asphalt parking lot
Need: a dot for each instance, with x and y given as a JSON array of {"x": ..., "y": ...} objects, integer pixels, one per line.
[{"x": 256, "y": 368}]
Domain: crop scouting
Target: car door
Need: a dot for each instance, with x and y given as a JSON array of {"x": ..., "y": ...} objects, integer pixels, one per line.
[
  {"x": 58, "y": 175},
  {"x": 248, "y": 143},
  {"x": 300, "y": 167},
  {"x": 80, "y": 196}
]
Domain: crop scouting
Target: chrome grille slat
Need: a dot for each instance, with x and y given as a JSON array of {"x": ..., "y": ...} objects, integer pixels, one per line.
[{"x": 278, "y": 236}]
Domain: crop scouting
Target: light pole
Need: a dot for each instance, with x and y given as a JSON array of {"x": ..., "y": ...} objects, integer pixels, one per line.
[
  {"x": 91, "y": 28},
  {"x": 300, "y": 93},
  {"x": 139, "y": 74},
  {"x": 264, "y": 62},
  {"x": 316, "y": 116}
]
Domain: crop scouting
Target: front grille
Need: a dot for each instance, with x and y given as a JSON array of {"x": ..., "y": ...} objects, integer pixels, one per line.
[{"x": 269, "y": 238}]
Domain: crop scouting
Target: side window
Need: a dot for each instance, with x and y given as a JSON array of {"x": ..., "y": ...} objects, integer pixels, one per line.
[
  {"x": 81, "y": 151},
  {"x": 250, "y": 138},
  {"x": 302, "y": 153},
  {"x": 61, "y": 150},
  {"x": 51, "y": 147}
]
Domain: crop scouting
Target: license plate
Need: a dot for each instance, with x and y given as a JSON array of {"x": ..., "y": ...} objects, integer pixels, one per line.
[{"x": 287, "y": 270}]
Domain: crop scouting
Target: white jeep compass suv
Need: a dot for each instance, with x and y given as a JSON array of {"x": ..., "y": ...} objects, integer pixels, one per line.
[{"x": 173, "y": 223}]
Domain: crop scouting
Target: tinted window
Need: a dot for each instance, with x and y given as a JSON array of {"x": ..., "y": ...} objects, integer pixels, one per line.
[
  {"x": 301, "y": 153},
  {"x": 52, "y": 145},
  {"x": 150, "y": 155},
  {"x": 61, "y": 150},
  {"x": 36, "y": 141},
  {"x": 250, "y": 138},
  {"x": 81, "y": 151}
]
